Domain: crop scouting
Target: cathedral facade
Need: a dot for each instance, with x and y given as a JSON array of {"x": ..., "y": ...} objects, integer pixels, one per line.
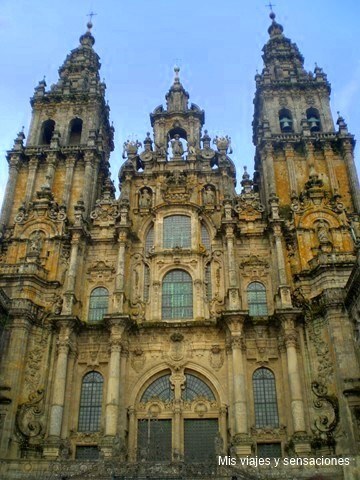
[{"x": 182, "y": 320}]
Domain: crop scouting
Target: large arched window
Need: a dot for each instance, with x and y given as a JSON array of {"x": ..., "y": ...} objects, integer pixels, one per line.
[
  {"x": 47, "y": 130},
  {"x": 159, "y": 389},
  {"x": 90, "y": 402},
  {"x": 99, "y": 302},
  {"x": 265, "y": 402},
  {"x": 75, "y": 129},
  {"x": 177, "y": 295},
  {"x": 256, "y": 296},
  {"x": 177, "y": 231},
  {"x": 196, "y": 388}
]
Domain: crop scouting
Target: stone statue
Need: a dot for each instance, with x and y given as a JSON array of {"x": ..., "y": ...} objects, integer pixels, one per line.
[
  {"x": 145, "y": 198},
  {"x": 323, "y": 233},
  {"x": 35, "y": 244},
  {"x": 176, "y": 146},
  {"x": 209, "y": 196}
]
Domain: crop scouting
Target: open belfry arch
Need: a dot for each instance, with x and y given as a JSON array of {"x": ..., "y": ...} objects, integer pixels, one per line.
[{"x": 154, "y": 331}]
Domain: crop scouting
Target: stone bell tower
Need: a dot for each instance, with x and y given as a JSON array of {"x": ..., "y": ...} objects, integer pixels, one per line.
[
  {"x": 69, "y": 141},
  {"x": 306, "y": 175}
]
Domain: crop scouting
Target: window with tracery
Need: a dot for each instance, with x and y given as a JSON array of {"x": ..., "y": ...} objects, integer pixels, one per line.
[
  {"x": 159, "y": 427},
  {"x": 265, "y": 400},
  {"x": 149, "y": 241},
  {"x": 177, "y": 231},
  {"x": 98, "y": 305},
  {"x": 177, "y": 295},
  {"x": 256, "y": 296},
  {"x": 91, "y": 402}
]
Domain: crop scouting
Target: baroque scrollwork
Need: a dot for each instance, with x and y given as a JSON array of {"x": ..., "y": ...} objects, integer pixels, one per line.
[
  {"x": 28, "y": 417},
  {"x": 326, "y": 423}
]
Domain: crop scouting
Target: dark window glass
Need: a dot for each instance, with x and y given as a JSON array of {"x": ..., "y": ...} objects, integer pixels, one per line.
[
  {"x": 205, "y": 237},
  {"x": 90, "y": 402},
  {"x": 208, "y": 286},
  {"x": 160, "y": 388},
  {"x": 177, "y": 231},
  {"x": 87, "y": 452},
  {"x": 265, "y": 401},
  {"x": 99, "y": 302},
  {"x": 146, "y": 283},
  {"x": 194, "y": 388},
  {"x": 149, "y": 241},
  {"x": 269, "y": 450},
  {"x": 177, "y": 295},
  {"x": 154, "y": 440},
  {"x": 199, "y": 439},
  {"x": 256, "y": 294}
]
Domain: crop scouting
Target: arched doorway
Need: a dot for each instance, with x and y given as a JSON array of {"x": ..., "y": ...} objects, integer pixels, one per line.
[{"x": 177, "y": 418}]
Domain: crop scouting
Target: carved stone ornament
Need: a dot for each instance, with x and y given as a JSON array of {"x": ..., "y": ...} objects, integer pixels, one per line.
[
  {"x": 216, "y": 357},
  {"x": 177, "y": 188},
  {"x": 137, "y": 359},
  {"x": 326, "y": 423},
  {"x": 28, "y": 417}
]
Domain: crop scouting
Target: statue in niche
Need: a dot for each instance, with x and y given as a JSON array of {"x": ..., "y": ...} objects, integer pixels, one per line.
[
  {"x": 208, "y": 196},
  {"x": 176, "y": 145},
  {"x": 145, "y": 198},
  {"x": 35, "y": 244},
  {"x": 323, "y": 233}
]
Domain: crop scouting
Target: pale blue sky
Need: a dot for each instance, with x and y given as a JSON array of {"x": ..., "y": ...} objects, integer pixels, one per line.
[{"x": 217, "y": 45}]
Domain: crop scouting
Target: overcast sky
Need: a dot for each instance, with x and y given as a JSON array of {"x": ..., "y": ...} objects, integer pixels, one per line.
[{"x": 216, "y": 44}]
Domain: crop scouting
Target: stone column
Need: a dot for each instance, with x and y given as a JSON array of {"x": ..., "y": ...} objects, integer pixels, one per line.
[
  {"x": 116, "y": 327},
  {"x": 234, "y": 300},
  {"x": 12, "y": 372},
  {"x": 120, "y": 273},
  {"x": 353, "y": 177},
  {"x": 71, "y": 275},
  {"x": 289, "y": 157},
  {"x": 69, "y": 173},
  {"x": 177, "y": 450},
  {"x": 10, "y": 190},
  {"x": 33, "y": 165},
  {"x": 88, "y": 180},
  {"x": 223, "y": 427},
  {"x": 329, "y": 154},
  {"x": 269, "y": 160},
  {"x": 296, "y": 397},
  {"x": 122, "y": 408},
  {"x": 64, "y": 344},
  {"x": 241, "y": 439},
  {"x": 132, "y": 434}
]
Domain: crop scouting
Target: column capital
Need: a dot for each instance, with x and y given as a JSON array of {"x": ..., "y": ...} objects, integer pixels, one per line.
[{"x": 235, "y": 322}]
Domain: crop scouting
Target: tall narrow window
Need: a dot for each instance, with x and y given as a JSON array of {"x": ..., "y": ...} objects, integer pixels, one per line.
[
  {"x": 205, "y": 237},
  {"x": 177, "y": 231},
  {"x": 208, "y": 286},
  {"x": 146, "y": 283},
  {"x": 177, "y": 295},
  {"x": 265, "y": 402},
  {"x": 98, "y": 306},
  {"x": 75, "y": 131},
  {"x": 91, "y": 402},
  {"x": 47, "y": 130},
  {"x": 149, "y": 240},
  {"x": 256, "y": 295}
]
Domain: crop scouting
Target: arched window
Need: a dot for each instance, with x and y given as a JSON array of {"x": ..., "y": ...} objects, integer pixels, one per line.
[
  {"x": 265, "y": 402},
  {"x": 75, "y": 130},
  {"x": 47, "y": 130},
  {"x": 205, "y": 237},
  {"x": 177, "y": 295},
  {"x": 313, "y": 119},
  {"x": 285, "y": 120},
  {"x": 160, "y": 389},
  {"x": 99, "y": 302},
  {"x": 208, "y": 286},
  {"x": 256, "y": 295},
  {"x": 146, "y": 283},
  {"x": 149, "y": 240},
  {"x": 194, "y": 388},
  {"x": 177, "y": 231},
  {"x": 90, "y": 402}
]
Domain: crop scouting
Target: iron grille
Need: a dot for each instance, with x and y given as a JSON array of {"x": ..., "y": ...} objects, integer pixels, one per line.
[
  {"x": 265, "y": 401},
  {"x": 154, "y": 440},
  {"x": 199, "y": 439},
  {"x": 177, "y": 231}
]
